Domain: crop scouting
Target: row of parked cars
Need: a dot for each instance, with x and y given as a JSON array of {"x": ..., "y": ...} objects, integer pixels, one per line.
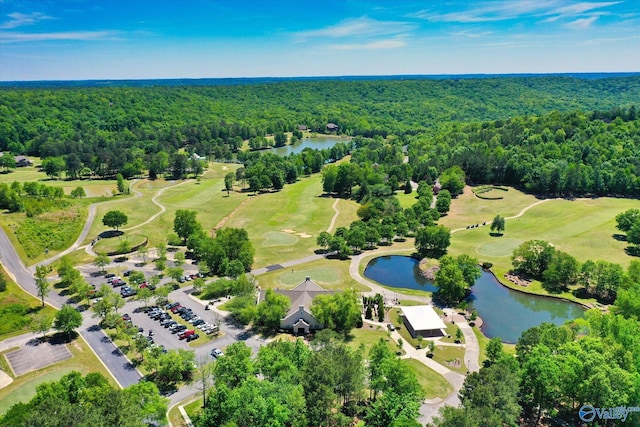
[
  {"x": 188, "y": 315},
  {"x": 166, "y": 321},
  {"x": 127, "y": 319}
]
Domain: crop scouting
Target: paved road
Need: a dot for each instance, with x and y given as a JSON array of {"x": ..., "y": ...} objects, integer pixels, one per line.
[{"x": 95, "y": 337}]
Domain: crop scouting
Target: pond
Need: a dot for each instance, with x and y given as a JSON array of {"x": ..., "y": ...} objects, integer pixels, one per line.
[
  {"x": 505, "y": 313},
  {"x": 318, "y": 143}
]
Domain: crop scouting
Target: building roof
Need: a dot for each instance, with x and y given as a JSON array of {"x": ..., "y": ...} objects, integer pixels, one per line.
[
  {"x": 303, "y": 294},
  {"x": 423, "y": 317}
]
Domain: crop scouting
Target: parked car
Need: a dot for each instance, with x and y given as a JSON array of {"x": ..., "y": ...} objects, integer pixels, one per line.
[
  {"x": 118, "y": 282},
  {"x": 127, "y": 273},
  {"x": 186, "y": 334},
  {"x": 176, "y": 308},
  {"x": 391, "y": 327},
  {"x": 126, "y": 316},
  {"x": 193, "y": 337},
  {"x": 170, "y": 305},
  {"x": 198, "y": 322},
  {"x": 109, "y": 275},
  {"x": 177, "y": 328},
  {"x": 216, "y": 352},
  {"x": 170, "y": 323}
]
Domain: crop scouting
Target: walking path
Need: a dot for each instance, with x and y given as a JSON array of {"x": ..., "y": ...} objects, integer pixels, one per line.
[{"x": 332, "y": 224}]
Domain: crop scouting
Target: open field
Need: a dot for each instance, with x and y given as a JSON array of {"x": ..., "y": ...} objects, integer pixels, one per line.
[
  {"x": 23, "y": 387},
  {"x": 433, "y": 384},
  {"x": 583, "y": 228},
  {"x": 328, "y": 273}
]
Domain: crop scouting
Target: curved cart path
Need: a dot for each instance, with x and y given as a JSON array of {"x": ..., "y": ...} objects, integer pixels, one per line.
[
  {"x": 522, "y": 212},
  {"x": 332, "y": 224}
]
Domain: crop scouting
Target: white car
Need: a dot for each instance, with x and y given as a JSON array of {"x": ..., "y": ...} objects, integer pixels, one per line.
[{"x": 216, "y": 352}]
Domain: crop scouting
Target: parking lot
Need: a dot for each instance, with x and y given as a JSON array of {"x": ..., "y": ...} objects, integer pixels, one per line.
[{"x": 36, "y": 354}]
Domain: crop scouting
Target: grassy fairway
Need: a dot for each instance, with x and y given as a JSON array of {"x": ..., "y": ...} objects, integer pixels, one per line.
[
  {"x": 284, "y": 225},
  {"x": 583, "y": 228},
  {"x": 467, "y": 209},
  {"x": 432, "y": 383},
  {"x": 330, "y": 274}
]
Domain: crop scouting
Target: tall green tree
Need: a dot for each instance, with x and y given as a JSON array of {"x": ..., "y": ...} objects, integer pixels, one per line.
[
  {"x": 228, "y": 181},
  {"x": 186, "y": 223},
  {"x": 339, "y": 311},
  {"x": 497, "y": 224},
  {"x": 115, "y": 219},
  {"x": 272, "y": 310},
  {"x": 433, "y": 241},
  {"x": 42, "y": 284},
  {"x": 67, "y": 319}
]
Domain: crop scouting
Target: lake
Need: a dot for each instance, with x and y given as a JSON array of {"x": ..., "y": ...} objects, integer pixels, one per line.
[
  {"x": 317, "y": 143},
  {"x": 505, "y": 313}
]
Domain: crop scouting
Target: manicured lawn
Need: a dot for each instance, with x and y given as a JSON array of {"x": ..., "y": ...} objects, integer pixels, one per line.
[
  {"x": 27, "y": 390},
  {"x": 17, "y": 309},
  {"x": 194, "y": 407},
  {"x": 328, "y": 273},
  {"x": 432, "y": 383},
  {"x": 368, "y": 336},
  {"x": 583, "y": 228},
  {"x": 482, "y": 342},
  {"x": 406, "y": 200},
  {"x": 111, "y": 244},
  {"x": 446, "y": 355}
]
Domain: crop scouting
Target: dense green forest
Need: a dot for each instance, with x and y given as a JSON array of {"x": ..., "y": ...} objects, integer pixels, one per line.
[{"x": 105, "y": 129}]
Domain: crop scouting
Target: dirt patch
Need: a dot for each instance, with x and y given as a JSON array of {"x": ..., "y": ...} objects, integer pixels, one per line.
[{"x": 288, "y": 230}]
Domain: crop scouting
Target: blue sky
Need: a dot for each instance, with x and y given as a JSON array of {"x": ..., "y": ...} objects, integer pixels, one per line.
[{"x": 137, "y": 39}]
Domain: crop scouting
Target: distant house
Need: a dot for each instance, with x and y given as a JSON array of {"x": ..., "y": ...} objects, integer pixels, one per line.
[
  {"x": 195, "y": 156},
  {"x": 332, "y": 127},
  {"x": 423, "y": 320},
  {"x": 302, "y": 127},
  {"x": 299, "y": 320},
  {"x": 22, "y": 161}
]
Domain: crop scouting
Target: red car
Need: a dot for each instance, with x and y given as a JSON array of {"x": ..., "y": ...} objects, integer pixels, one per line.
[{"x": 186, "y": 334}]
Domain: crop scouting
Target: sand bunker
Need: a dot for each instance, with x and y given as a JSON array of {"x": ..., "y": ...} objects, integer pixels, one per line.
[
  {"x": 304, "y": 235},
  {"x": 288, "y": 230}
]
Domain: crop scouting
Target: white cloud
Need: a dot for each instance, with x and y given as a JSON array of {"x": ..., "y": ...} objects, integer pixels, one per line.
[
  {"x": 379, "y": 44},
  {"x": 11, "y": 37},
  {"x": 582, "y": 23},
  {"x": 19, "y": 19},
  {"x": 363, "y": 26}
]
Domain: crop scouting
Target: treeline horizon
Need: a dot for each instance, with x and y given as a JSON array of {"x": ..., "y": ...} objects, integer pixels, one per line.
[{"x": 491, "y": 127}]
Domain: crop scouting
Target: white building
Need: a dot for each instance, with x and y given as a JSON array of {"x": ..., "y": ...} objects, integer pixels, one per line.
[{"x": 423, "y": 320}]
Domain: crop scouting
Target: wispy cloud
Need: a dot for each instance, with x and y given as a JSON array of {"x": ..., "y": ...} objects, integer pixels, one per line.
[
  {"x": 19, "y": 19},
  {"x": 379, "y": 44},
  {"x": 553, "y": 10},
  {"x": 582, "y": 23},
  {"x": 363, "y": 27},
  {"x": 472, "y": 35},
  {"x": 12, "y": 37}
]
